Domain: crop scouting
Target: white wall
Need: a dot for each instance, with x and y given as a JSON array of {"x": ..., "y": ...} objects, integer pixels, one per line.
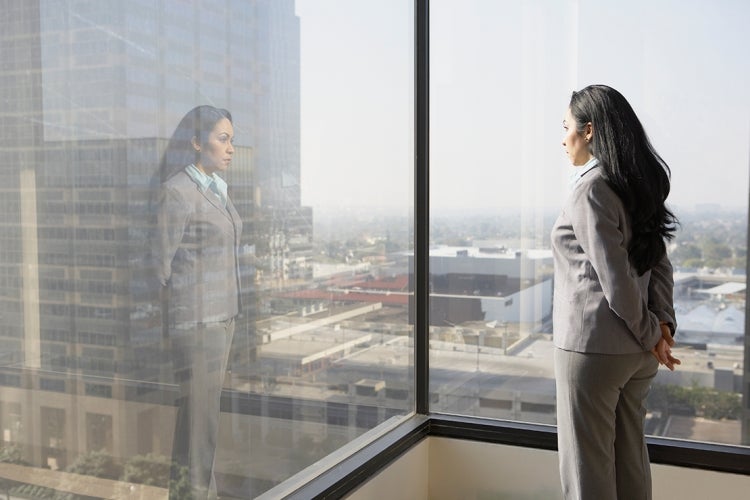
[
  {"x": 449, "y": 469},
  {"x": 405, "y": 479}
]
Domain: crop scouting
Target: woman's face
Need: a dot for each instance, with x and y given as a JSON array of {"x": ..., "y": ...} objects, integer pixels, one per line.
[
  {"x": 215, "y": 154},
  {"x": 575, "y": 143}
]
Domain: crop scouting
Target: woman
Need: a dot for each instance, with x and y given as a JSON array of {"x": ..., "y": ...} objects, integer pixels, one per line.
[
  {"x": 195, "y": 254},
  {"x": 613, "y": 315}
]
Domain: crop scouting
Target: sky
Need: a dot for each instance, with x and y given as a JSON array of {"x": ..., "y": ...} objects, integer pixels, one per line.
[{"x": 501, "y": 77}]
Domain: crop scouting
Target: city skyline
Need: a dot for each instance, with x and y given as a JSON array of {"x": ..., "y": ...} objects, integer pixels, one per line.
[{"x": 325, "y": 352}]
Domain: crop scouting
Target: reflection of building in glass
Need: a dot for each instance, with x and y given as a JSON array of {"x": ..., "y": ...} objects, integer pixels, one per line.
[
  {"x": 91, "y": 91},
  {"x": 285, "y": 244}
]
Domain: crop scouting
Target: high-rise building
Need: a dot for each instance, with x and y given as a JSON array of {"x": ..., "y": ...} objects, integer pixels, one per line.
[{"x": 91, "y": 93}]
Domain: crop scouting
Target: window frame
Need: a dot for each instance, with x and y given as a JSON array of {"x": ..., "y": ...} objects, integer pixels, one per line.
[{"x": 355, "y": 470}]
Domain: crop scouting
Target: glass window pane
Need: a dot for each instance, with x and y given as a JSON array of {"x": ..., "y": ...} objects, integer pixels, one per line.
[
  {"x": 253, "y": 309},
  {"x": 501, "y": 78}
]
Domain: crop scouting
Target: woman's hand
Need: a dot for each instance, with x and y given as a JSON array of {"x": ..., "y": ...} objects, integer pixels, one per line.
[{"x": 663, "y": 349}]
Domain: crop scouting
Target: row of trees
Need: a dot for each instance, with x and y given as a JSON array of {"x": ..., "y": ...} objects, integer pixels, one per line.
[
  {"x": 695, "y": 401},
  {"x": 717, "y": 240},
  {"x": 709, "y": 253},
  {"x": 150, "y": 469},
  {"x": 713, "y": 239}
]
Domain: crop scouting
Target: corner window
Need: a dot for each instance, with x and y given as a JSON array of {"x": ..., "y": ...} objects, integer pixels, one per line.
[
  {"x": 95, "y": 359},
  {"x": 501, "y": 78}
]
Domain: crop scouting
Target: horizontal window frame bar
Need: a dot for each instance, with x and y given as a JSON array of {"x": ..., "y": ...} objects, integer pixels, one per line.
[
  {"x": 665, "y": 451},
  {"x": 699, "y": 455},
  {"x": 356, "y": 470},
  {"x": 527, "y": 435}
]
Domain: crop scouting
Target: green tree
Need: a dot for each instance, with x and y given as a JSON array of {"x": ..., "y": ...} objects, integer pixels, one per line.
[
  {"x": 715, "y": 253},
  {"x": 693, "y": 263},
  {"x": 10, "y": 455},
  {"x": 686, "y": 251},
  {"x": 155, "y": 470},
  {"x": 97, "y": 464},
  {"x": 179, "y": 484},
  {"x": 695, "y": 400},
  {"x": 149, "y": 469}
]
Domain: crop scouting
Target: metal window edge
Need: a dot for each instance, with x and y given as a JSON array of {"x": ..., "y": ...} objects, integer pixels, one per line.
[{"x": 357, "y": 469}]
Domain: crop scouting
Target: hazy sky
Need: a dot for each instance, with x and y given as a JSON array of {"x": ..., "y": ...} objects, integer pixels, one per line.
[{"x": 501, "y": 77}]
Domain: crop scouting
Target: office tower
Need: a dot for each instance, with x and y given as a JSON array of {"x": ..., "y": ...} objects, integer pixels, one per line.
[{"x": 91, "y": 93}]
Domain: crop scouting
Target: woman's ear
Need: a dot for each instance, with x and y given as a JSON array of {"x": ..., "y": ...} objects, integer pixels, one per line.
[
  {"x": 588, "y": 131},
  {"x": 196, "y": 146}
]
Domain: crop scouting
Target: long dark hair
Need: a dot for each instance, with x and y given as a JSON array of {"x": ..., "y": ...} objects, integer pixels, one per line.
[
  {"x": 198, "y": 123},
  {"x": 631, "y": 167}
]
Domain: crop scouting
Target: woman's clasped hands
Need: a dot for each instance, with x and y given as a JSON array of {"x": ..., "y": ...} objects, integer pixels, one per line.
[{"x": 663, "y": 349}]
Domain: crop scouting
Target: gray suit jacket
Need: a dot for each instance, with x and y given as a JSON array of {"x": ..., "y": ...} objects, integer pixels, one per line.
[
  {"x": 601, "y": 305},
  {"x": 195, "y": 253}
]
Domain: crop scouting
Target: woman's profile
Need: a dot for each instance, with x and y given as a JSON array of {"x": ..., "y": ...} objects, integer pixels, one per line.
[{"x": 194, "y": 252}]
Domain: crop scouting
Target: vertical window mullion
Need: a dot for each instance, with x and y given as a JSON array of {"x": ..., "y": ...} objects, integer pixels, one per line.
[{"x": 421, "y": 206}]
